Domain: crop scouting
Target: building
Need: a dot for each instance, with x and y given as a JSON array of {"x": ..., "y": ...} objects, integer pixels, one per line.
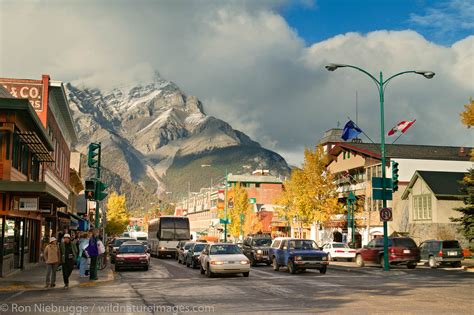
[
  {"x": 355, "y": 164},
  {"x": 205, "y": 208},
  {"x": 37, "y": 134},
  {"x": 430, "y": 199}
]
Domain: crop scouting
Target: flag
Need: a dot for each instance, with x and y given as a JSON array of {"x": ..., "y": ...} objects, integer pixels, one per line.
[
  {"x": 401, "y": 126},
  {"x": 350, "y": 131}
]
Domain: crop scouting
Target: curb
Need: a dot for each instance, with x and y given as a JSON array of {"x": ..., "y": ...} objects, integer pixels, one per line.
[
  {"x": 34, "y": 287},
  {"x": 368, "y": 270}
]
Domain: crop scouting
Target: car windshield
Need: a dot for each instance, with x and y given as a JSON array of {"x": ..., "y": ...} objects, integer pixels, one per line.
[
  {"x": 303, "y": 244},
  {"x": 339, "y": 245},
  {"x": 225, "y": 249},
  {"x": 451, "y": 244},
  {"x": 199, "y": 247},
  {"x": 120, "y": 241},
  {"x": 188, "y": 245},
  {"x": 135, "y": 249},
  {"x": 262, "y": 242},
  {"x": 142, "y": 238},
  {"x": 403, "y": 242}
]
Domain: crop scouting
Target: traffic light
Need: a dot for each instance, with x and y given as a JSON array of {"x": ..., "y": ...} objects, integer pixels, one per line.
[
  {"x": 100, "y": 194},
  {"x": 90, "y": 188},
  {"x": 394, "y": 176},
  {"x": 93, "y": 156}
]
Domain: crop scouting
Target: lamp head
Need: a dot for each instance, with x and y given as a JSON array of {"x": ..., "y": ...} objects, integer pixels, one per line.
[
  {"x": 334, "y": 66},
  {"x": 426, "y": 74}
]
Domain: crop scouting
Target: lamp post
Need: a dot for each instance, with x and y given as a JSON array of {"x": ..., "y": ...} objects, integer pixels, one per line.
[{"x": 381, "y": 84}]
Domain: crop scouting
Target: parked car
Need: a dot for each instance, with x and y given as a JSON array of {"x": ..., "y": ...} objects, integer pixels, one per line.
[
  {"x": 401, "y": 251},
  {"x": 257, "y": 247},
  {"x": 115, "y": 246},
  {"x": 132, "y": 255},
  {"x": 182, "y": 251},
  {"x": 297, "y": 255},
  {"x": 338, "y": 251},
  {"x": 437, "y": 253},
  {"x": 192, "y": 256},
  {"x": 178, "y": 247},
  {"x": 223, "y": 258}
]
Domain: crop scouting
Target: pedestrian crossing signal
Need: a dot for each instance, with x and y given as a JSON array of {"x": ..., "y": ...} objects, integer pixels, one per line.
[{"x": 90, "y": 188}]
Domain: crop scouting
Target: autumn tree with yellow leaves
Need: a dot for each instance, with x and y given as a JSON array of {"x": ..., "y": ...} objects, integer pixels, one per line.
[
  {"x": 240, "y": 208},
  {"x": 117, "y": 214},
  {"x": 310, "y": 193}
]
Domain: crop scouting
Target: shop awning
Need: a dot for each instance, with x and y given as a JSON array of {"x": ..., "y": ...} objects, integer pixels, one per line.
[
  {"x": 33, "y": 187},
  {"x": 36, "y": 146}
]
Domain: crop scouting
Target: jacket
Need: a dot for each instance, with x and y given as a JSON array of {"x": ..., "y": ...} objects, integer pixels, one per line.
[
  {"x": 92, "y": 249},
  {"x": 63, "y": 252},
  {"x": 51, "y": 254},
  {"x": 83, "y": 243}
]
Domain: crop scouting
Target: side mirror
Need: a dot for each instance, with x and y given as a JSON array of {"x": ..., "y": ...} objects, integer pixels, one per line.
[
  {"x": 284, "y": 247},
  {"x": 320, "y": 248}
]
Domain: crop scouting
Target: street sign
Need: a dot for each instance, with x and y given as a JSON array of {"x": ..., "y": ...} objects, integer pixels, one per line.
[
  {"x": 377, "y": 182},
  {"x": 252, "y": 200},
  {"x": 223, "y": 221},
  {"x": 377, "y": 194},
  {"x": 352, "y": 197},
  {"x": 386, "y": 214}
]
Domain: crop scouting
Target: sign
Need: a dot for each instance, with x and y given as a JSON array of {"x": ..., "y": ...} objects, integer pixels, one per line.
[
  {"x": 377, "y": 194},
  {"x": 252, "y": 201},
  {"x": 47, "y": 210},
  {"x": 386, "y": 214},
  {"x": 223, "y": 221},
  {"x": 31, "y": 91},
  {"x": 230, "y": 203},
  {"x": 28, "y": 204},
  {"x": 377, "y": 182}
]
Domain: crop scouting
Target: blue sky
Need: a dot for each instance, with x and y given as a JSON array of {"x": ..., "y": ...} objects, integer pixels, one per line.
[{"x": 442, "y": 22}]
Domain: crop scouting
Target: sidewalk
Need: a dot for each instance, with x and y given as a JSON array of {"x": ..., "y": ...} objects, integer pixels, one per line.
[
  {"x": 34, "y": 279},
  {"x": 372, "y": 270}
]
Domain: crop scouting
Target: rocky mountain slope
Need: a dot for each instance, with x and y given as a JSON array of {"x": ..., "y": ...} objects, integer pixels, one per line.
[{"x": 149, "y": 131}]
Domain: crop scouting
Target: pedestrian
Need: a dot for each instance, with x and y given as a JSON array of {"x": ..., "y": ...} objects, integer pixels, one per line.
[
  {"x": 92, "y": 252},
  {"x": 83, "y": 262},
  {"x": 51, "y": 257},
  {"x": 68, "y": 257}
]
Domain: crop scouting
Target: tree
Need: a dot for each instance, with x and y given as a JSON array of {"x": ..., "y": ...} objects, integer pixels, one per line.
[
  {"x": 467, "y": 116},
  {"x": 466, "y": 220},
  {"x": 310, "y": 194},
  {"x": 240, "y": 206},
  {"x": 252, "y": 223},
  {"x": 118, "y": 217}
]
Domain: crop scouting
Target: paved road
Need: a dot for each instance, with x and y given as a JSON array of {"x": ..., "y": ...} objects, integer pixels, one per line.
[{"x": 168, "y": 285}]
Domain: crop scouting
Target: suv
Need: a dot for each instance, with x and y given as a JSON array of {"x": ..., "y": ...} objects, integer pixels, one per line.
[
  {"x": 297, "y": 255},
  {"x": 441, "y": 252},
  {"x": 401, "y": 250},
  {"x": 256, "y": 248}
]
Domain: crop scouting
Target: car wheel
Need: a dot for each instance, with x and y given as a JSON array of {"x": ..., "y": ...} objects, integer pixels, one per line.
[
  {"x": 202, "y": 270},
  {"x": 456, "y": 264},
  {"x": 323, "y": 270},
  {"x": 246, "y": 274},
  {"x": 145, "y": 268},
  {"x": 209, "y": 273},
  {"x": 269, "y": 263},
  {"x": 193, "y": 265},
  {"x": 117, "y": 268},
  {"x": 291, "y": 267},
  {"x": 252, "y": 261},
  {"x": 276, "y": 267},
  {"x": 381, "y": 263},
  {"x": 330, "y": 257},
  {"x": 432, "y": 262},
  {"x": 411, "y": 265},
  {"x": 359, "y": 261},
  {"x": 187, "y": 264},
  {"x": 303, "y": 270}
]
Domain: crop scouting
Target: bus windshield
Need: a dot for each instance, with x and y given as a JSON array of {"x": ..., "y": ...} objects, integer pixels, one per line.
[{"x": 174, "y": 228}]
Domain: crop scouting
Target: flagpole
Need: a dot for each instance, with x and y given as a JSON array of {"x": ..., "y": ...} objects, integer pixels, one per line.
[{"x": 361, "y": 130}]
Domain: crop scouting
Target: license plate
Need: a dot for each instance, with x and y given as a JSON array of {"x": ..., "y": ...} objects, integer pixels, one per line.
[
  {"x": 406, "y": 251},
  {"x": 452, "y": 253},
  {"x": 231, "y": 262}
]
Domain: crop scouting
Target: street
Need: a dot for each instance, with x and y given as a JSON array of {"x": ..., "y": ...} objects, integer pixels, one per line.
[{"x": 170, "y": 287}]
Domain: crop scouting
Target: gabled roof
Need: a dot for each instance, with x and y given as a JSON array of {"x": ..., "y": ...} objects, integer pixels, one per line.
[
  {"x": 406, "y": 151},
  {"x": 444, "y": 185}
]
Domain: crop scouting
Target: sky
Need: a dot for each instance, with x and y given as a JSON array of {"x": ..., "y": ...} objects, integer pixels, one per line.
[{"x": 259, "y": 65}]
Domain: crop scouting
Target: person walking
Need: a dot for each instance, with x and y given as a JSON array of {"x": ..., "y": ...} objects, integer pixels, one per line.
[
  {"x": 93, "y": 252},
  {"x": 83, "y": 243},
  {"x": 51, "y": 257},
  {"x": 68, "y": 257}
]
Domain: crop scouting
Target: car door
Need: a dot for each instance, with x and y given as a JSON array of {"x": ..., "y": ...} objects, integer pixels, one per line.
[
  {"x": 284, "y": 253},
  {"x": 424, "y": 251},
  {"x": 204, "y": 257},
  {"x": 246, "y": 247},
  {"x": 368, "y": 252}
]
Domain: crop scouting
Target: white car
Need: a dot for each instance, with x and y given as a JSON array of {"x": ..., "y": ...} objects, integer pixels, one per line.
[
  {"x": 337, "y": 250},
  {"x": 223, "y": 258}
]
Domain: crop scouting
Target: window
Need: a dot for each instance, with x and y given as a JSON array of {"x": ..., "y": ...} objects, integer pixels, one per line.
[
  {"x": 24, "y": 159},
  {"x": 371, "y": 243},
  {"x": 16, "y": 151},
  {"x": 422, "y": 207},
  {"x": 276, "y": 244}
]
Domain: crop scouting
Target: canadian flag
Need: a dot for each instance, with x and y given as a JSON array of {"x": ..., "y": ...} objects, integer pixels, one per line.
[{"x": 401, "y": 126}]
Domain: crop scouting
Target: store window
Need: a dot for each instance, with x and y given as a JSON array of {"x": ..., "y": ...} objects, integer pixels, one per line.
[{"x": 9, "y": 238}]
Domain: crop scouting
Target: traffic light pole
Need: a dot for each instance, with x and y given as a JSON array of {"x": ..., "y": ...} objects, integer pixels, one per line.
[
  {"x": 97, "y": 203},
  {"x": 225, "y": 208}
]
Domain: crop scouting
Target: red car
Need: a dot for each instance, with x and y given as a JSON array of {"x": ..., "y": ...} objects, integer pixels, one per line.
[
  {"x": 401, "y": 251},
  {"x": 132, "y": 255}
]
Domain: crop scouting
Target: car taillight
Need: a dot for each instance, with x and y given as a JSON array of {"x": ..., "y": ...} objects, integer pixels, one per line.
[
  {"x": 440, "y": 254},
  {"x": 391, "y": 250},
  {"x": 339, "y": 251}
]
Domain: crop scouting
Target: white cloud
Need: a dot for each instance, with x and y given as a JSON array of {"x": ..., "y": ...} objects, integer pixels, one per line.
[{"x": 246, "y": 64}]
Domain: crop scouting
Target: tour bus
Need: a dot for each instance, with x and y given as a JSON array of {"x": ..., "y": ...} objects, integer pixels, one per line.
[{"x": 164, "y": 234}]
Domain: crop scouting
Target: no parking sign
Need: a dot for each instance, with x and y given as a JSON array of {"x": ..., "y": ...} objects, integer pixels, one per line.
[{"x": 386, "y": 214}]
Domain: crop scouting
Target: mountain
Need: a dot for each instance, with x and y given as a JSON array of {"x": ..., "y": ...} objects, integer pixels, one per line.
[{"x": 155, "y": 139}]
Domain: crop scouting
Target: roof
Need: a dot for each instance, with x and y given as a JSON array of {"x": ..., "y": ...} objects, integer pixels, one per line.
[
  {"x": 332, "y": 136},
  {"x": 4, "y": 93},
  {"x": 57, "y": 89},
  {"x": 253, "y": 179},
  {"x": 442, "y": 184},
  {"x": 407, "y": 151}
]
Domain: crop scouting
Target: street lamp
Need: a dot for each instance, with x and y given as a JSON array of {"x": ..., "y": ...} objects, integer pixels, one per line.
[{"x": 381, "y": 84}]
